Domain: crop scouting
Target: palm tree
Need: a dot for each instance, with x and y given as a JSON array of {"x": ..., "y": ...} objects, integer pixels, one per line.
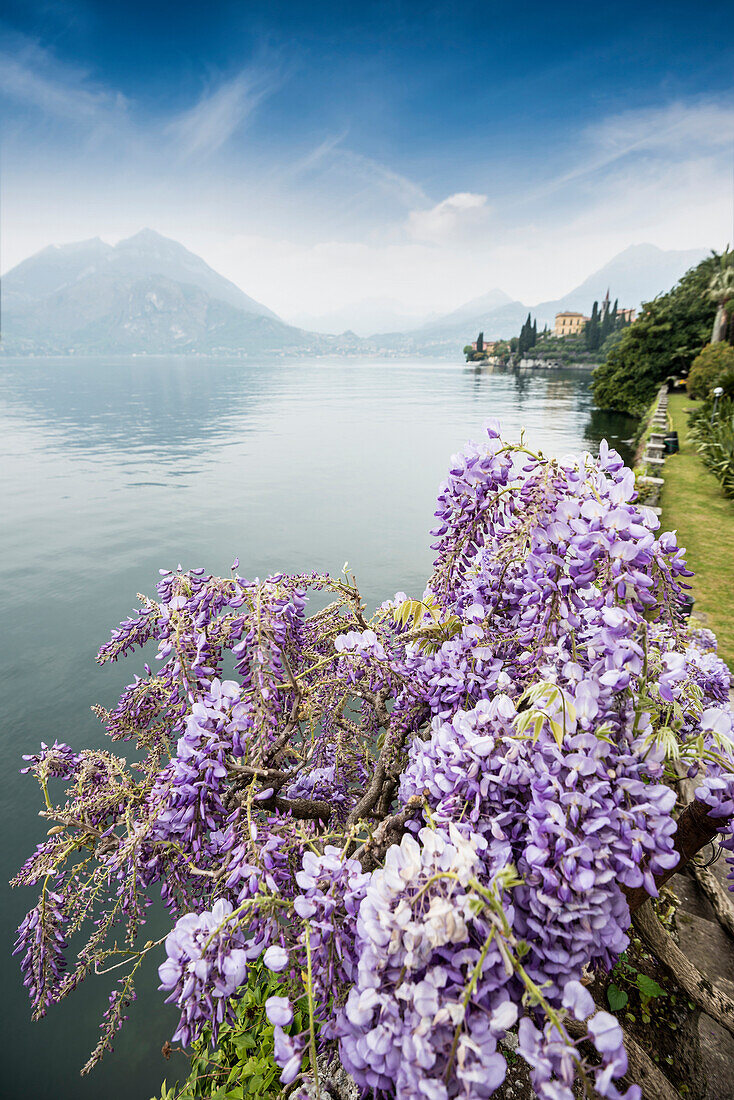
[{"x": 721, "y": 291}]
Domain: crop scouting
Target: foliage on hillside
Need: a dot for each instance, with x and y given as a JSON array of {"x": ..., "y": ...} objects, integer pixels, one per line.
[
  {"x": 666, "y": 338},
  {"x": 603, "y": 324},
  {"x": 564, "y": 349}
]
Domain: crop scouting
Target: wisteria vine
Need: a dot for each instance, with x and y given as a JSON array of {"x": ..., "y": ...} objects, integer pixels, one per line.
[{"x": 427, "y": 821}]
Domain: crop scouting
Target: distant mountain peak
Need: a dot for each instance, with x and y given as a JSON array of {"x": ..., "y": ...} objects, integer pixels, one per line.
[
  {"x": 645, "y": 248},
  {"x": 147, "y": 234},
  {"x": 634, "y": 275},
  {"x": 149, "y": 240},
  {"x": 93, "y": 244},
  {"x": 155, "y": 254},
  {"x": 71, "y": 295},
  {"x": 491, "y": 300},
  {"x": 637, "y": 274}
]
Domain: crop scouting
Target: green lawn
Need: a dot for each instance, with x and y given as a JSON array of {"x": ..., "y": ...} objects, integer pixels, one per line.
[{"x": 694, "y": 506}]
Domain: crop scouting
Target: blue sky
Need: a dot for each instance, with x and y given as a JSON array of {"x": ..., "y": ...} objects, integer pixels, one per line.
[{"x": 320, "y": 153}]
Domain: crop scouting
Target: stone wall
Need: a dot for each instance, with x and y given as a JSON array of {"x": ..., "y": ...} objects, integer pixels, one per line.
[{"x": 652, "y": 461}]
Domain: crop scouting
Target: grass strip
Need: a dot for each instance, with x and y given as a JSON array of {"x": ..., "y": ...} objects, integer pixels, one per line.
[{"x": 694, "y": 506}]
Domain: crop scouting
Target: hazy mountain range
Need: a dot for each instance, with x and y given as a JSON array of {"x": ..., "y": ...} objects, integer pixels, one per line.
[
  {"x": 149, "y": 294},
  {"x": 633, "y": 276},
  {"x": 367, "y": 317}
]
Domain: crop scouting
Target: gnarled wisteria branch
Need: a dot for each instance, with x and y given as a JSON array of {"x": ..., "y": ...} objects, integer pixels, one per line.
[
  {"x": 430, "y": 822},
  {"x": 714, "y": 1002},
  {"x": 640, "y": 1067},
  {"x": 696, "y": 827}
]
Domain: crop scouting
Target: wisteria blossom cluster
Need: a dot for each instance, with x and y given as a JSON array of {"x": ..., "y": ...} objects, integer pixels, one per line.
[{"x": 426, "y": 822}]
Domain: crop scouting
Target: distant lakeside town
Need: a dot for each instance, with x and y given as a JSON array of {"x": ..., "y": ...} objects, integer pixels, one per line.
[{"x": 575, "y": 339}]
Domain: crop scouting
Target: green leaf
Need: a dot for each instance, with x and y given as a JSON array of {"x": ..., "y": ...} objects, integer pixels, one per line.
[
  {"x": 617, "y": 997},
  {"x": 244, "y": 1043},
  {"x": 648, "y": 987},
  {"x": 557, "y": 731}
]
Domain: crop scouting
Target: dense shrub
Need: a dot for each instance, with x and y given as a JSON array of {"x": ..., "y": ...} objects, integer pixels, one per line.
[
  {"x": 713, "y": 435},
  {"x": 563, "y": 349},
  {"x": 664, "y": 340},
  {"x": 708, "y": 368},
  {"x": 242, "y": 1063},
  {"x": 612, "y": 341}
]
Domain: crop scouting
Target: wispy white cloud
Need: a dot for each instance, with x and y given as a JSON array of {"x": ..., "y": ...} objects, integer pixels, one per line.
[
  {"x": 333, "y": 224},
  {"x": 343, "y": 191},
  {"x": 33, "y": 78},
  {"x": 457, "y": 217},
  {"x": 375, "y": 174},
  {"x": 673, "y": 133},
  {"x": 318, "y": 155},
  {"x": 453, "y": 250},
  {"x": 220, "y": 113},
  {"x": 675, "y": 128}
]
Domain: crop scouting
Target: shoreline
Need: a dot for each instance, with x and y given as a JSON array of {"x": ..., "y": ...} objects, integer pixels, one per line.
[{"x": 533, "y": 364}]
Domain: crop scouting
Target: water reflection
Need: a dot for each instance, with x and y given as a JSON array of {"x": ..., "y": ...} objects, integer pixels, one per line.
[
  {"x": 134, "y": 403},
  {"x": 616, "y": 428},
  {"x": 175, "y": 406}
]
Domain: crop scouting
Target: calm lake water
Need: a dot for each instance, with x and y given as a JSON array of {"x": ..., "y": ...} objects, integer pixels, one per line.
[{"x": 112, "y": 469}]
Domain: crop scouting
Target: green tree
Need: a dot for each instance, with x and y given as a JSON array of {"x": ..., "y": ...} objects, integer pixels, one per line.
[
  {"x": 611, "y": 342},
  {"x": 665, "y": 339},
  {"x": 525, "y": 341},
  {"x": 604, "y": 326},
  {"x": 721, "y": 292},
  {"x": 708, "y": 368},
  {"x": 592, "y": 335},
  {"x": 480, "y": 342},
  {"x": 608, "y": 323},
  {"x": 521, "y": 342}
]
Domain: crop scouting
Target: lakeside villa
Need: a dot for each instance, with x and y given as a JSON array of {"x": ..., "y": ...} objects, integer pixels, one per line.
[
  {"x": 569, "y": 324},
  {"x": 487, "y": 346}
]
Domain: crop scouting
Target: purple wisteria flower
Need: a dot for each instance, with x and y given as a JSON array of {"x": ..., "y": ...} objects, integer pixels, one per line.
[
  {"x": 426, "y": 821},
  {"x": 207, "y": 964}
]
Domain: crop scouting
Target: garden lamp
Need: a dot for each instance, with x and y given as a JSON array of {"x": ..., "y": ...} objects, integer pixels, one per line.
[{"x": 717, "y": 394}]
